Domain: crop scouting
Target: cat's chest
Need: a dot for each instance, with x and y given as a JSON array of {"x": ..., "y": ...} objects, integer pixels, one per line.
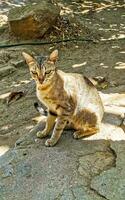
[
  {"x": 40, "y": 96},
  {"x": 45, "y": 98}
]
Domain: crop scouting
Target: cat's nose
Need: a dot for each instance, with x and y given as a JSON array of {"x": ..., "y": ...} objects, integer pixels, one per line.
[{"x": 41, "y": 79}]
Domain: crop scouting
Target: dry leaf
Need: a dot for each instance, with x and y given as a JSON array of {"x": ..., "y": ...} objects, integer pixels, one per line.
[{"x": 14, "y": 96}]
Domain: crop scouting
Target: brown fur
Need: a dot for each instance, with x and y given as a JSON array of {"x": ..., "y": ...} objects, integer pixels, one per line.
[
  {"x": 85, "y": 117},
  {"x": 70, "y": 99}
]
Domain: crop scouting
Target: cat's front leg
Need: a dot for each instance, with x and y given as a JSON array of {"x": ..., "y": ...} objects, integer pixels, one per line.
[
  {"x": 49, "y": 125},
  {"x": 58, "y": 129}
]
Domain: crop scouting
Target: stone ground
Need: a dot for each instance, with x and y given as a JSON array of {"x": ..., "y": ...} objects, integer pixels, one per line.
[{"x": 87, "y": 169}]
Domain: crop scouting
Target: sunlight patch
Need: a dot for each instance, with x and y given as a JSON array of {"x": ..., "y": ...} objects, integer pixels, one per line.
[
  {"x": 116, "y": 110},
  {"x": 3, "y": 20},
  {"x": 120, "y": 65},
  {"x": 3, "y": 149},
  {"x": 79, "y": 65},
  {"x": 29, "y": 127},
  {"x": 114, "y": 103},
  {"x": 39, "y": 118},
  {"x": 4, "y": 96},
  {"x": 108, "y": 132},
  {"x": 114, "y": 37},
  {"x": 122, "y": 52},
  {"x": 25, "y": 81},
  {"x": 113, "y": 99},
  {"x": 6, "y": 127}
]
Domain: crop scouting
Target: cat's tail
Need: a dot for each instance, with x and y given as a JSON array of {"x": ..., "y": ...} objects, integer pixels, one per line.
[{"x": 41, "y": 109}]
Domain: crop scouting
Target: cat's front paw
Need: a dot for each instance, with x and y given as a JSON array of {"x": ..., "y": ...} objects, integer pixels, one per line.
[
  {"x": 50, "y": 143},
  {"x": 76, "y": 135},
  {"x": 41, "y": 134}
]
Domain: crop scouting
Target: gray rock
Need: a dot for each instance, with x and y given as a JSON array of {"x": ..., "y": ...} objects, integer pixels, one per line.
[
  {"x": 37, "y": 172},
  {"x": 30, "y": 137},
  {"x": 111, "y": 183},
  {"x": 32, "y": 21},
  {"x": 46, "y": 173},
  {"x": 93, "y": 164},
  {"x": 24, "y": 169},
  {"x": 67, "y": 194},
  {"x": 83, "y": 193},
  {"x": 6, "y": 171}
]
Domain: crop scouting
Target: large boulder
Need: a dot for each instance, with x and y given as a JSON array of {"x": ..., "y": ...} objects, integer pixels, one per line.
[{"x": 32, "y": 21}]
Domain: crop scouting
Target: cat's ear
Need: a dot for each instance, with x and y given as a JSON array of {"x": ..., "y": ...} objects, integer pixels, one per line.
[
  {"x": 54, "y": 56},
  {"x": 28, "y": 58}
]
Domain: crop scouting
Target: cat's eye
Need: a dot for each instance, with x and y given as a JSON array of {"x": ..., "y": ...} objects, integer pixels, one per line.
[
  {"x": 47, "y": 72},
  {"x": 34, "y": 73}
]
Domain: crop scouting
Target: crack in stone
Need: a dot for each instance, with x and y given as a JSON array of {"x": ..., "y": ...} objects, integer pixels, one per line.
[
  {"x": 107, "y": 167},
  {"x": 97, "y": 193},
  {"x": 60, "y": 195},
  {"x": 110, "y": 152},
  {"x": 73, "y": 194},
  {"x": 110, "y": 149},
  {"x": 114, "y": 155}
]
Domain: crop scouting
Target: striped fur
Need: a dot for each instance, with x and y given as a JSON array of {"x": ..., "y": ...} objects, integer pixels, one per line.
[{"x": 69, "y": 97}]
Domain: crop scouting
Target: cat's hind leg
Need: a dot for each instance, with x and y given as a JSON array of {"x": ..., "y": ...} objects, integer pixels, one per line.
[
  {"x": 85, "y": 133},
  {"x": 86, "y": 123}
]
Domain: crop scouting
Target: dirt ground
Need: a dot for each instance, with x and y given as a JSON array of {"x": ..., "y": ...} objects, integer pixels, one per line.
[{"x": 103, "y": 58}]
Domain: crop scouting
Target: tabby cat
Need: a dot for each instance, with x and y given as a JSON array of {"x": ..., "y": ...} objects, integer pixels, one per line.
[{"x": 69, "y": 97}]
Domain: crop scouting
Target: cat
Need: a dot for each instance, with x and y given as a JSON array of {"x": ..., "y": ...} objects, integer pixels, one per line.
[{"x": 69, "y": 97}]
